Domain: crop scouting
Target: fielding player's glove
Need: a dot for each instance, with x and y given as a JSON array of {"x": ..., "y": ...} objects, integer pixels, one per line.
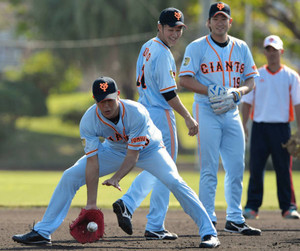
[
  {"x": 293, "y": 145},
  {"x": 78, "y": 228},
  {"x": 226, "y": 101}
]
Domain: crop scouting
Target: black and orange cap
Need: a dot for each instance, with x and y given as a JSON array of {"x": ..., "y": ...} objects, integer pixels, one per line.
[
  {"x": 104, "y": 88},
  {"x": 172, "y": 17},
  {"x": 219, "y": 8}
]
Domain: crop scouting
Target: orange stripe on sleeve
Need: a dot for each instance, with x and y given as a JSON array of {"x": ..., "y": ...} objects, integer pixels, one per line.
[
  {"x": 187, "y": 72},
  {"x": 91, "y": 152},
  {"x": 252, "y": 73},
  {"x": 167, "y": 88}
]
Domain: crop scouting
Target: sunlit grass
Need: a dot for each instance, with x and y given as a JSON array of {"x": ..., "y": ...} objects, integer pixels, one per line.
[{"x": 34, "y": 188}]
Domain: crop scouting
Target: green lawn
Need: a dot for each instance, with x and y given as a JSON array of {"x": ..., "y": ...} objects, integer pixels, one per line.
[
  {"x": 34, "y": 188},
  {"x": 48, "y": 143}
]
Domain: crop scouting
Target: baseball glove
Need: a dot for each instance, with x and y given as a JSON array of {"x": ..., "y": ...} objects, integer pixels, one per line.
[
  {"x": 293, "y": 145},
  {"x": 216, "y": 90},
  {"x": 78, "y": 228},
  {"x": 222, "y": 103}
]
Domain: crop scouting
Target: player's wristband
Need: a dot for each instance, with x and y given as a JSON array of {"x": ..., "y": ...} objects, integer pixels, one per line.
[{"x": 237, "y": 96}]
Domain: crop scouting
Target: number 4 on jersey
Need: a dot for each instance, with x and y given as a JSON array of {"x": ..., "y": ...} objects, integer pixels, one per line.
[{"x": 141, "y": 79}]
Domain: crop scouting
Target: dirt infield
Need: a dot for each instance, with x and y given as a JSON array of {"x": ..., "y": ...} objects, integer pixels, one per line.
[{"x": 277, "y": 233}]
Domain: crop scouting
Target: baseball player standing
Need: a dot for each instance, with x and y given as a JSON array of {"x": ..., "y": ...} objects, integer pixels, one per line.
[
  {"x": 155, "y": 75},
  {"x": 131, "y": 139},
  {"x": 214, "y": 67},
  {"x": 277, "y": 90}
]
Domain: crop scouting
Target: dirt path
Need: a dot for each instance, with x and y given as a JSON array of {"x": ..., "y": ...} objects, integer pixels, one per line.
[{"x": 278, "y": 233}]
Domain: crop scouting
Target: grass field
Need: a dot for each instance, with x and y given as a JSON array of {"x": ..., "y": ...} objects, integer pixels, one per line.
[
  {"x": 47, "y": 143},
  {"x": 34, "y": 188}
]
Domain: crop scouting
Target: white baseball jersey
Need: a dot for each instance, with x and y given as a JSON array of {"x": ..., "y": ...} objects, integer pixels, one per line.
[
  {"x": 210, "y": 64},
  {"x": 132, "y": 130},
  {"x": 274, "y": 95},
  {"x": 155, "y": 73},
  {"x": 219, "y": 135},
  {"x": 136, "y": 131}
]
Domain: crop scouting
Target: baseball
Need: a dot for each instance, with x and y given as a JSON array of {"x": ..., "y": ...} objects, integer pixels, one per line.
[{"x": 92, "y": 226}]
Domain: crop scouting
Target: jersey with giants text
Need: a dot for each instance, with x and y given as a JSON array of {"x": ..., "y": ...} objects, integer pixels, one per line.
[{"x": 211, "y": 64}]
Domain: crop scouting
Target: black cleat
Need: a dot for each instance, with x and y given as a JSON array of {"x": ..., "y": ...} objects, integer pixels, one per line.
[
  {"x": 242, "y": 228},
  {"x": 32, "y": 238},
  {"x": 123, "y": 215},
  {"x": 209, "y": 241},
  {"x": 160, "y": 235}
]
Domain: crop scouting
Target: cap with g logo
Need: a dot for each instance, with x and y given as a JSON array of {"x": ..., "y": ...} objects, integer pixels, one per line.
[
  {"x": 104, "y": 88},
  {"x": 219, "y": 8},
  {"x": 172, "y": 17}
]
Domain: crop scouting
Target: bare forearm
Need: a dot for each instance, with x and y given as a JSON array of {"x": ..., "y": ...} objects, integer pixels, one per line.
[
  {"x": 191, "y": 124},
  {"x": 92, "y": 180},
  {"x": 177, "y": 105},
  {"x": 247, "y": 87},
  {"x": 297, "y": 111},
  {"x": 192, "y": 84},
  {"x": 128, "y": 163}
]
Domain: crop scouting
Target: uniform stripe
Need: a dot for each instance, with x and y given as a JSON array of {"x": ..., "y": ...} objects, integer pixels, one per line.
[
  {"x": 252, "y": 73},
  {"x": 122, "y": 117},
  {"x": 161, "y": 44},
  {"x": 136, "y": 145},
  {"x": 187, "y": 72},
  {"x": 105, "y": 122},
  {"x": 91, "y": 152},
  {"x": 291, "y": 110},
  {"x": 198, "y": 135},
  {"x": 167, "y": 88},
  {"x": 171, "y": 133},
  {"x": 229, "y": 72},
  {"x": 218, "y": 58}
]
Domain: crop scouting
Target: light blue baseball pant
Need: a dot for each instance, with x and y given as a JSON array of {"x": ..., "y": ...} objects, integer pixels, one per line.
[
  {"x": 145, "y": 182},
  {"x": 220, "y": 135},
  {"x": 157, "y": 162}
]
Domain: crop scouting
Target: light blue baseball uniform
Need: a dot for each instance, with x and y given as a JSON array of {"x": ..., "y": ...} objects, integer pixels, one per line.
[
  {"x": 219, "y": 135},
  {"x": 155, "y": 74},
  {"x": 135, "y": 130}
]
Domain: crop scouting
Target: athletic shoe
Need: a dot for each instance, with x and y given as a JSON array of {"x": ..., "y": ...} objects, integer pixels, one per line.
[
  {"x": 160, "y": 235},
  {"x": 32, "y": 238},
  {"x": 250, "y": 214},
  {"x": 123, "y": 215},
  {"x": 242, "y": 228},
  {"x": 291, "y": 214},
  {"x": 209, "y": 241}
]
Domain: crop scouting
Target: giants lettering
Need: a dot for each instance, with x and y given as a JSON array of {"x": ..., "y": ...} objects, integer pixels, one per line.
[
  {"x": 217, "y": 67},
  {"x": 139, "y": 139},
  {"x": 118, "y": 137}
]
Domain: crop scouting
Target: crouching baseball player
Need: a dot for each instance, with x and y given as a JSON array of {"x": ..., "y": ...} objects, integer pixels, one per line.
[{"x": 131, "y": 139}]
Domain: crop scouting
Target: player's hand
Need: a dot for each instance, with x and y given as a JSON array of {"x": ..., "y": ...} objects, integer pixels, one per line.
[
  {"x": 112, "y": 182},
  {"x": 192, "y": 125}
]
